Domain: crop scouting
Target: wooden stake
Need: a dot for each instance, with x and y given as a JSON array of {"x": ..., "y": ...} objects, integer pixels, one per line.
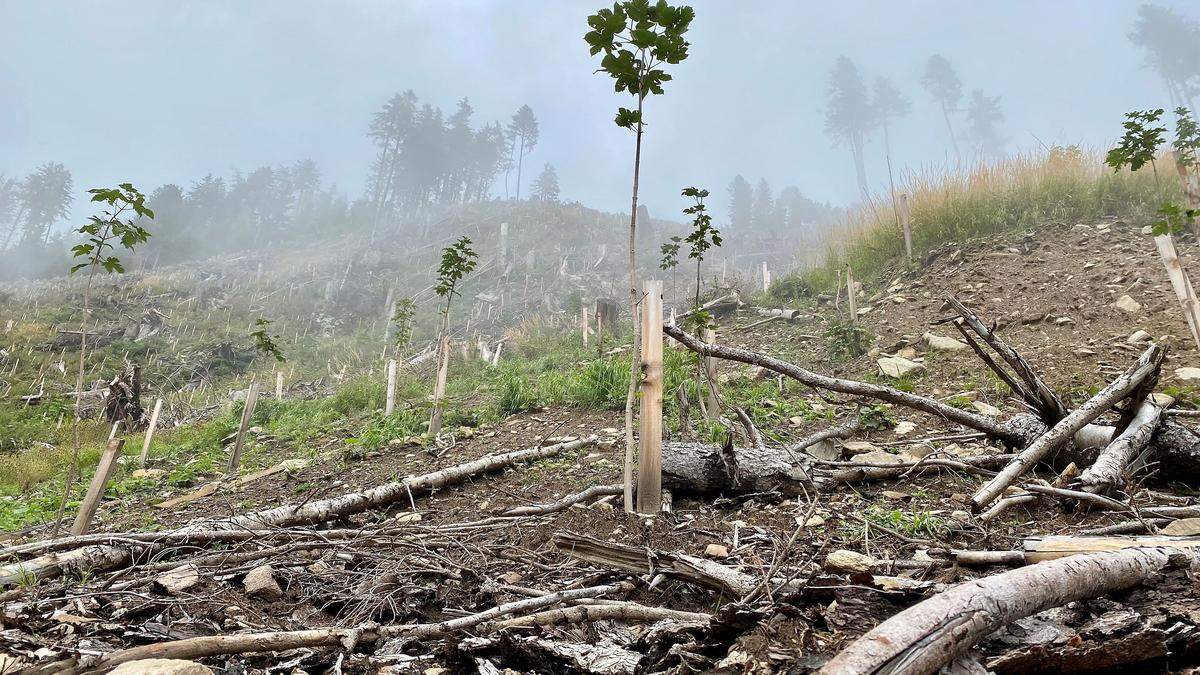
[
  {"x": 906, "y": 224},
  {"x": 1181, "y": 284},
  {"x": 439, "y": 386},
  {"x": 583, "y": 324},
  {"x": 766, "y": 277},
  {"x": 95, "y": 493},
  {"x": 712, "y": 406},
  {"x": 391, "y": 387},
  {"x": 649, "y": 494},
  {"x": 247, "y": 410},
  {"x": 279, "y": 385},
  {"x": 850, "y": 295},
  {"x": 150, "y": 431}
]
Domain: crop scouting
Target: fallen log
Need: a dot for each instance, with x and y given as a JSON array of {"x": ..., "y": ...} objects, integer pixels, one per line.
[
  {"x": 1146, "y": 366},
  {"x": 623, "y": 611},
  {"x": 1105, "y": 474},
  {"x": 971, "y": 420},
  {"x": 110, "y": 556},
  {"x": 1039, "y": 549},
  {"x": 932, "y": 633},
  {"x": 853, "y": 472},
  {"x": 565, "y": 502},
  {"x": 356, "y": 502},
  {"x": 722, "y": 305},
  {"x": 642, "y": 560},
  {"x": 710, "y": 469},
  {"x": 52, "y": 565}
]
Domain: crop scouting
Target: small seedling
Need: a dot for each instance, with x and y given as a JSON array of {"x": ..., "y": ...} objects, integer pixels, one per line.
[{"x": 264, "y": 342}]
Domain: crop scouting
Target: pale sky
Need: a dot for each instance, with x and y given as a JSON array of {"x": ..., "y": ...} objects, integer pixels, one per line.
[{"x": 159, "y": 91}]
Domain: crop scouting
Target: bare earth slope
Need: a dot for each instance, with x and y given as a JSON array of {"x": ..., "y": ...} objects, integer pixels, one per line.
[{"x": 1052, "y": 296}]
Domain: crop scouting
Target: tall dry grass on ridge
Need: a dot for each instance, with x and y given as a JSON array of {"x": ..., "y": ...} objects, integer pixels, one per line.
[{"x": 1063, "y": 185}]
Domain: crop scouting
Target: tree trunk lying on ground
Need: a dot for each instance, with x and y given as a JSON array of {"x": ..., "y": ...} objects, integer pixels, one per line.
[
  {"x": 1064, "y": 431},
  {"x": 1106, "y": 473},
  {"x": 932, "y": 633},
  {"x": 722, "y": 305},
  {"x": 710, "y": 469},
  {"x": 1172, "y": 445},
  {"x": 971, "y": 420},
  {"x": 642, "y": 560},
  {"x": 356, "y": 502},
  {"x": 110, "y": 556}
]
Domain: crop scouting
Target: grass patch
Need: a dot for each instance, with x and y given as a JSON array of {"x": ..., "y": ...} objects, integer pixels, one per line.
[{"x": 1065, "y": 185}]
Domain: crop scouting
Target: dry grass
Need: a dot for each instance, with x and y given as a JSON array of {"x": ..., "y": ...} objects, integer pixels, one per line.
[{"x": 1064, "y": 185}]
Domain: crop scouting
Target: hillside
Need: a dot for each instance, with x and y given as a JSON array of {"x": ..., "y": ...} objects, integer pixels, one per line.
[{"x": 849, "y": 554}]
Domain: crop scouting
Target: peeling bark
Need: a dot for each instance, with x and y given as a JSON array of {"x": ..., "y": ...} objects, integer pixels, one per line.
[
  {"x": 1146, "y": 366},
  {"x": 930, "y": 634},
  {"x": 1106, "y": 473}
]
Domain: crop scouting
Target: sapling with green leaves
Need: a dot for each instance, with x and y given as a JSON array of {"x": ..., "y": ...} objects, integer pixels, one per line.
[
  {"x": 1138, "y": 147},
  {"x": 264, "y": 342},
  {"x": 458, "y": 259},
  {"x": 403, "y": 317},
  {"x": 700, "y": 240},
  {"x": 670, "y": 258},
  {"x": 116, "y": 225},
  {"x": 637, "y": 39}
]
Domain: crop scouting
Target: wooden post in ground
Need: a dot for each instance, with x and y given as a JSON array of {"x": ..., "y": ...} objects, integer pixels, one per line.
[
  {"x": 649, "y": 493},
  {"x": 95, "y": 493},
  {"x": 766, "y": 277},
  {"x": 235, "y": 458},
  {"x": 391, "y": 387},
  {"x": 439, "y": 385},
  {"x": 851, "y": 298},
  {"x": 503, "y": 248},
  {"x": 583, "y": 324},
  {"x": 712, "y": 406},
  {"x": 150, "y": 431},
  {"x": 1181, "y": 284},
  {"x": 906, "y": 224}
]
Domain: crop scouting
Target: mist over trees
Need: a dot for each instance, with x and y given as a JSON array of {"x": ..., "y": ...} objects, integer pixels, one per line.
[
  {"x": 849, "y": 118},
  {"x": 31, "y": 206},
  {"x": 522, "y": 135},
  {"x": 545, "y": 188},
  {"x": 984, "y": 116},
  {"x": 423, "y": 159},
  {"x": 888, "y": 104},
  {"x": 1172, "y": 46},
  {"x": 943, "y": 85},
  {"x": 755, "y": 211}
]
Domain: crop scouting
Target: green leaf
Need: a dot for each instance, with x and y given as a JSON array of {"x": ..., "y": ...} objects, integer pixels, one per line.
[{"x": 627, "y": 118}]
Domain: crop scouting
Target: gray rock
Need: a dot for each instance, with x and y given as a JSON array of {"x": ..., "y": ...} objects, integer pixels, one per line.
[
  {"x": 896, "y": 366},
  {"x": 260, "y": 583}
]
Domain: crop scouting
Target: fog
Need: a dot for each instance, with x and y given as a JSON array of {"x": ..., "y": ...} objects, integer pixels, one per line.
[{"x": 164, "y": 91}]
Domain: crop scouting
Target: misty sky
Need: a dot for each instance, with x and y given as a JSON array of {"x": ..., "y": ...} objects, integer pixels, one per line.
[{"x": 160, "y": 91}]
